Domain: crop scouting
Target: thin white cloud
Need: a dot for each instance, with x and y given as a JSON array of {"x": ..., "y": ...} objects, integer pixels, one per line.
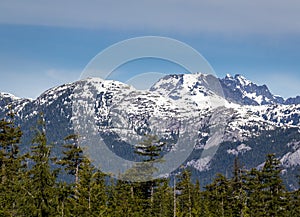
[
  {"x": 62, "y": 76},
  {"x": 55, "y": 77},
  {"x": 193, "y": 16},
  {"x": 31, "y": 85}
]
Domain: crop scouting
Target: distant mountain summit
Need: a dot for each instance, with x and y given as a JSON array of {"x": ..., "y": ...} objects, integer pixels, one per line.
[
  {"x": 293, "y": 100},
  {"x": 242, "y": 91},
  {"x": 257, "y": 122},
  {"x": 236, "y": 89}
]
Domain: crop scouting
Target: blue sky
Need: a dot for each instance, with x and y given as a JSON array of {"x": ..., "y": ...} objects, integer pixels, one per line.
[{"x": 44, "y": 44}]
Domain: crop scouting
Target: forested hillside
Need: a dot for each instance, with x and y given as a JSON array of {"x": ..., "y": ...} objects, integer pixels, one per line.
[{"x": 29, "y": 186}]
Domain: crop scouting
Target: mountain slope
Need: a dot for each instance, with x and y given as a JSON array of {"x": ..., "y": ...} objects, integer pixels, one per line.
[
  {"x": 240, "y": 90},
  {"x": 251, "y": 122}
]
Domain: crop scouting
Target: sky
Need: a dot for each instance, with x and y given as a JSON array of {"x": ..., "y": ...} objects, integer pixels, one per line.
[{"x": 47, "y": 43}]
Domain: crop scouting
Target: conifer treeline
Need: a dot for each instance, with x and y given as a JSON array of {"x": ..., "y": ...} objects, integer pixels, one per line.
[{"x": 30, "y": 187}]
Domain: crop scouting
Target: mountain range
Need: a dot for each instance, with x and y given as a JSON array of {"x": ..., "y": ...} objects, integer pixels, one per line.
[{"x": 225, "y": 118}]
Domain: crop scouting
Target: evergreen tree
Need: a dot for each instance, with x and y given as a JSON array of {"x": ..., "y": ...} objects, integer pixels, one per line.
[
  {"x": 125, "y": 199},
  {"x": 163, "y": 199},
  {"x": 73, "y": 156},
  {"x": 198, "y": 208},
  {"x": 63, "y": 195},
  {"x": 185, "y": 187},
  {"x": 41, "y": 185},
  {"x": 11, "y": 166},
  {"x": 31, "y": 188},
  {"x": 238, "y": 197},
  {"x": 273, "y": 195},
  {"x": 151, "y": 150},
  {"x": 90, "y": 196},
  {"x": 81, "y": 202},
  {"x": 294, "y": 205},
  {"x": 253, "y": 188},
  {"x": 266, "y": 193},
  {"x": 99, "y": 194},
  {"x": 217, "y": 195}
]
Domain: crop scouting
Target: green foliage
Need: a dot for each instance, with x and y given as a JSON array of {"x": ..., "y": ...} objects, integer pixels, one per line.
[
  {"x": 73, "y": 156},
  {"x": 185, "y": 187},
  {"x": 29, "y": 185},
  {"x": 41, "y": 180},
  {"x": 11, "y": 167},
  {"x": 150, "y": 148}
]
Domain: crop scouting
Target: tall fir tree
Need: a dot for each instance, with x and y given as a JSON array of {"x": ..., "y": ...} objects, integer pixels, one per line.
[
  {"x": 238, "y": 197},
  {"x": 273, "y": 196},
  {"x": 185, "y": 187},
  {"x": 151, "y": 151},
  {"x": 198, "y": 208},
  {"x": 81, "y": 201},
  {"x": 11, "y": 166},
  {"x": 163, "y": 199},
  {"x": 265, "y": 190},
  {"x": 217, "y": 194},
  {"x": 72, "y": 157},
  {"x": 41, "y": 185},
  {"x": 294, "y": 204}
]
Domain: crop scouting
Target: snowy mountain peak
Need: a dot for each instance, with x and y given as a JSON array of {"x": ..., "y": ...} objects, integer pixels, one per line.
[
  {"x": 240, "y": 90},
  {"x": 228, "y": 76},
  {"x": 255, "y": 122},
  {"x": 196, "y": 90},
  {"x": 238, "y": 78},
  {"x": 8, "y": 95},
  {"x": 242, "y": 80},
  {"x": 236, "y": 89}
]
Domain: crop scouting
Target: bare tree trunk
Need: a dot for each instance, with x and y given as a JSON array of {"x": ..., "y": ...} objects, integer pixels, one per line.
[
  {"x": 89, "y": 198},
  {"x": 190, "y": 201},
  {"x": 152, "y": 191},
  {"x": 131, "y": 190},
  {"x": 174, "y": 199},
  {"x": 76, "y": 180},
  {"x": 76, "y": 174},
  {"x": 222, "y": 207},
  {"x": 62, "y": 208}
]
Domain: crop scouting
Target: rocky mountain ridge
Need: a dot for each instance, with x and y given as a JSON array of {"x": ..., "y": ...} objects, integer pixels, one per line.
[{"x": 255, "y": 121}]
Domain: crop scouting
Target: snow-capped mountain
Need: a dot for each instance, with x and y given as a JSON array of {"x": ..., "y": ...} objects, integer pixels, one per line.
[
  {"x": 240, "y": 90},
  {"x": 249, "y": 120},
  {"x": 293, "y": 100}
]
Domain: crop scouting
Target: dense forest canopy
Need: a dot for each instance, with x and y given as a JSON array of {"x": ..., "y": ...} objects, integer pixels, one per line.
[{"x": 29, "y": 186}]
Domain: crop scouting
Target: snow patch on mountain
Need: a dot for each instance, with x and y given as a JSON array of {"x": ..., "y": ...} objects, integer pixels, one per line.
[
  {"x": 8, "y": 95},
  {"x": 197, "y": 91},
  {"x": 291, "y": 159},
  {"x": 240, "y": 90},
  {"x": 201, "y": 164},
  {"x": 248, "y": 111},
  {"x": 241, "y": 149}
]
